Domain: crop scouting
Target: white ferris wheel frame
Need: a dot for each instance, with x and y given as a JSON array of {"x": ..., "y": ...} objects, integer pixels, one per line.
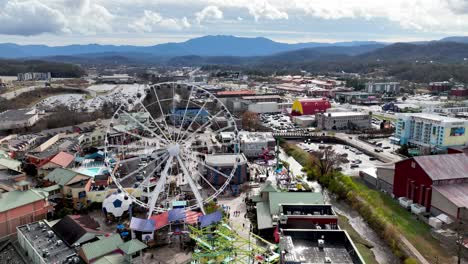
[{"x": 173, "y": 150}]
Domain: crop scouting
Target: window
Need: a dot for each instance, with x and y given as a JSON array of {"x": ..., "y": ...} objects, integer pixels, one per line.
[
  {"x": 434, "y": 130},
  {"x": 413, "y": 164}
]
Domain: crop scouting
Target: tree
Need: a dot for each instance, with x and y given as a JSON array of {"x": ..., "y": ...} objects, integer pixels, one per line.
[
  {"x": 250, "y": 121},
  {"x": 327, "y": 160}
]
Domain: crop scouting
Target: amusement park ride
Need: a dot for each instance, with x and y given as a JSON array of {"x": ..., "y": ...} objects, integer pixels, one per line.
[{"x": 155, "y": 151}]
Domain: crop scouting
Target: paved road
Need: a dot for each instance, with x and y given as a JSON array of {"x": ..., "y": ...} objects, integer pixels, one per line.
[{"x": 385, "y": 156}]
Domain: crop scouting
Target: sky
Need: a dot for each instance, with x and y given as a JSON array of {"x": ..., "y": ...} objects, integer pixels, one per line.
[{"x": 149, "y": 22}]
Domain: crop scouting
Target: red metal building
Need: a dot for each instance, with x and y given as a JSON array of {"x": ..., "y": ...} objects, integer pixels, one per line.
[
  {"x": 415, "y": 177},
  {"x": 310, "y": 106}
]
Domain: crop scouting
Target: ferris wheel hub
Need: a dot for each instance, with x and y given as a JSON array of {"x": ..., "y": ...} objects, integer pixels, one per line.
[{"x": 173, "y": 149}]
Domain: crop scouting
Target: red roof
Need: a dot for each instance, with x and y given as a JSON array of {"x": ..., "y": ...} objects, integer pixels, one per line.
[
  {"x": 240, "y": 92},
  {"x": 444, "y": 166},
  {"x": 63, "y": 159},
  {"x": 310, "y": 106}
]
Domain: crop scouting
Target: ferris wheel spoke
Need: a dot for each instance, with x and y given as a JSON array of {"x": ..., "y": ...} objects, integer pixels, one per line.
[
  {"x": 144, "y": 126},
  {"x": 184, "y": 138},
  {"x": 207, "y": 181},
  {"x": 192, "y": 184},
  {"x": 154, "y": 121},
  {"x": 185, "y": 114},
  {"x": 196, "y": 116},
  {"x": 162, "y": 113},
  {"x": 159, "y": 186},
  {"x": 137, "y": 171},
  {"x": 150, "y": 175},
  {"x": 215, "y": 170}
]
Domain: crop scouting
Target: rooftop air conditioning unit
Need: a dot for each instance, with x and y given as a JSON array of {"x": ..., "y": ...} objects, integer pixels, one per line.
[{"x": 50, "y": 234}]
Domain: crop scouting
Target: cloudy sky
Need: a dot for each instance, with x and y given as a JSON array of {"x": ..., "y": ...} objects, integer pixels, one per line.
[{"x": 147, "y": 22}]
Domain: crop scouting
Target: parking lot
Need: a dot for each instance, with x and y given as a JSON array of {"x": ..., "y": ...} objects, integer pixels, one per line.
[{"x": 357, "y": 160}]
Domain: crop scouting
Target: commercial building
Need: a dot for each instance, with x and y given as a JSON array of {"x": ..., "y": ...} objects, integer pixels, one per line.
[
  {"x": 16, "y": 119},
  {"x": 310, "y": 106},
  {"x": 34, "y": 76},
  {"x": 383, "y": 87},
  {"x": 317, "y": 246},
  {"x": 42, "y": 245},
  {"x": 219, "y": 166},
  {"x": 357, "y": 98},
  {"x": 430, "y": 131},
  {"x": 458, "y": 93},
  {"x": 73, "y": 186},
  {"x": 436, "y": 183},
  {"x": 252, "y": 144},
  {"x": 269, "y": 207},
  {"x": 188, "y": 116},
  {"x": 439, "y": 87},
  {"x": 344, "y": 120},
  {"x": 21, "y": 206},
  {"x": 116, "y": 78}
]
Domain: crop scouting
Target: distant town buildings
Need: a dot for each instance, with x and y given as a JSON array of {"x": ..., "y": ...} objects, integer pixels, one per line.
[
  {"x": 383, "y": 87},
  {"x": 34, "y": 76},
  {"x": 439, "y": 87},
  {"x": 116, "y": 78},
  {"x": 430, "y": 131},
  {"x": 343, "y": 120},
  {"x": 357, "y": 98}
]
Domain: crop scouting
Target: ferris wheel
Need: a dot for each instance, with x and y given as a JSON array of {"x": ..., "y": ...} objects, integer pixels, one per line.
[{"x": 157, "y": 145}]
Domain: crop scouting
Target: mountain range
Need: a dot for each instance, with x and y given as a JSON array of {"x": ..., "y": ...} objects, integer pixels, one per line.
[
  {"x": 231, "y": 50},
  {"x": 202, "y": 46}
]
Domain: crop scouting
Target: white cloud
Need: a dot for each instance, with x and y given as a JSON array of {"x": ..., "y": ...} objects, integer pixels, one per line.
[
  {"x": 263, "y": 9},
  {"x": 30, "y": 18},
  {"x": 152, "y": 21},
  {"x": 209, "y": 12}
]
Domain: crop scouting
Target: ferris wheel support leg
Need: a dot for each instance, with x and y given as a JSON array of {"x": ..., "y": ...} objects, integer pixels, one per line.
[
  {"x": 159, "y": 186},
  {"x": 192, "y": 184}
]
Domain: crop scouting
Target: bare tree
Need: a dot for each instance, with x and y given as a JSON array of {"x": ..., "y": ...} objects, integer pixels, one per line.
[
  {"x": 327, "y": 160},
  {"x": 250, "y": 121}
]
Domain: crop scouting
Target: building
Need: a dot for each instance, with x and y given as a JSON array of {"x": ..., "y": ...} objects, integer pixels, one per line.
[
  {"x": 218, "y": 168},
  {"x": 310, "y": 106},
  {"x": 188, "y": 116},
  {"x": 252, "y": 144},
  {"x": 436, "y": 184},
  {"x": 458, "y": 93},
  {"x": 22, "y": 206},
  {"x": 430, "y": 131},
  {"x": 383, "y": 87},
  {"x": 439, "y": 87},
  {"x": 357, "y": 98},
  {"x": 34, "y": 76},
  {"x": 385, "y": 176},
  {"x": 73, "y": 186},
  {"x": 16, "y": 119},
  {"x": 42, "y": 245},
  {"x": 302, "y": 246},
  {"x": 344, "y": 120},
  {"x": 116, "y": 78},
  {"x": 307, "y": 216},
  {"x": 269, "y": 207}
]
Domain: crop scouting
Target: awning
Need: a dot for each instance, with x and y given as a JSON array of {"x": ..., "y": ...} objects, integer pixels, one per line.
[
  {"x": 142, "y": 225},
  {"x": 394, "y": 139}
]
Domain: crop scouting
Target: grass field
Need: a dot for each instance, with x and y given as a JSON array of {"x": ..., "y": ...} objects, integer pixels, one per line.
[
  {"x": 417, "y": 232},
  {"x": 363, "y": 246}
]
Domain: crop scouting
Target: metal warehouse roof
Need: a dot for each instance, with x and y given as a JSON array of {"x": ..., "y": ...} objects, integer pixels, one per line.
[
  {"x": 444, "y": 167},
  {"x": 456, "y": 193}
]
